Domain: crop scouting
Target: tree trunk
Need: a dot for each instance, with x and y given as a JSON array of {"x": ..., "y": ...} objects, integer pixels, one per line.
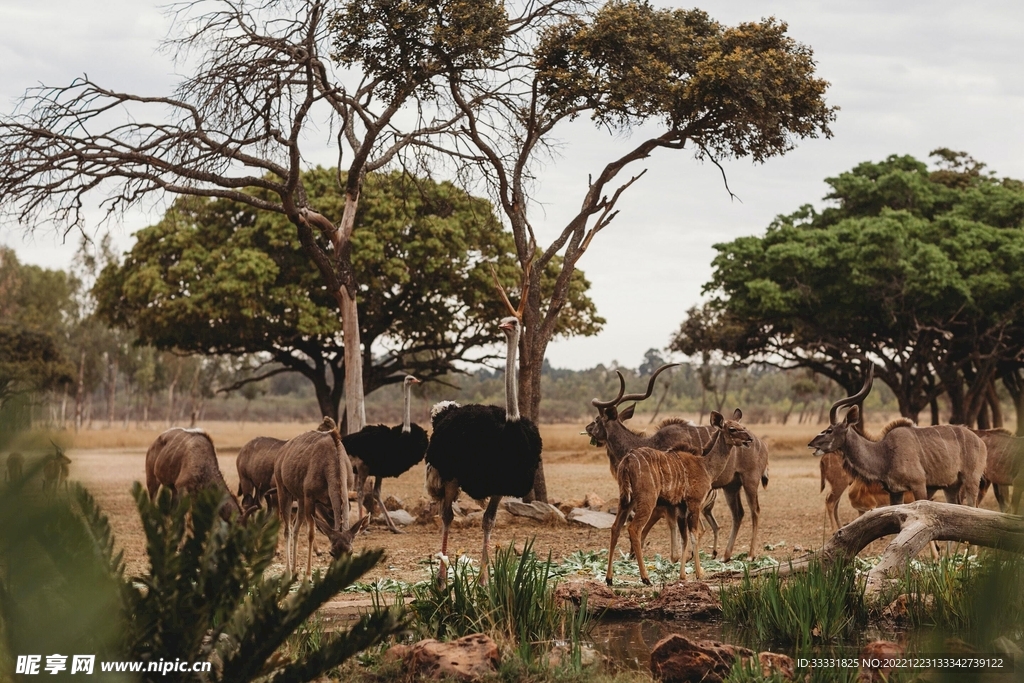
[
  {"x": 531, "y": 361},
  {"x": 916, "y": 525},
  {"x": 355, "y": 404},
  {"x": 80, "y": 394},
  {"x": 934, "y": 403},
  {"x": 995, "y": 406},
  {"x": 112, "y": 390}
]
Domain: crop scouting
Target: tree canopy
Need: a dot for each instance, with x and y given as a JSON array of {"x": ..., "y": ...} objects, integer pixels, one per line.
[
  {"x": 216, "y": 277},
  {"x": 918, "y": 271}
]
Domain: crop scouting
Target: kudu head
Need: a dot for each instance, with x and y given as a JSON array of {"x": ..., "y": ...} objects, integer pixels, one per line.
[
  {"x": 341, "y": 541},
  {"x": 833, "y": 438},
  {"x": 608, "y": 411},
  {"x": 732, "y": 431}
]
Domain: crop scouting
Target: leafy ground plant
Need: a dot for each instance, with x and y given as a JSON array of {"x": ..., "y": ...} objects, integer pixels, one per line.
[{"x": 205, "y": 598}]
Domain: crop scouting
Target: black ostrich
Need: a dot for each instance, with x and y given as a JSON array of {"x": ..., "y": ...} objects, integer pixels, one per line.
[
  {"x": 380, "y": 451},
  {"x": 486, "y": 451}
]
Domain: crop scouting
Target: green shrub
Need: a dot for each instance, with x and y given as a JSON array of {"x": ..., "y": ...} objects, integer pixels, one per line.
[
  {"x": 516, "y": 606},
  {"x": 822, "y": 605},
  {"x": 205, "y": 597}
]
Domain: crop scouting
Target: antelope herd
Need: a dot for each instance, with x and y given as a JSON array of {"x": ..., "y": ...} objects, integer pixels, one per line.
[{"x": 674, "y": 473}]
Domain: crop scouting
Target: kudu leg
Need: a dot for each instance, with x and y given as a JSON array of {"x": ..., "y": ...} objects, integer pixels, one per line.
[
  {"x": 693, "y": 525},
  {"x": 732, "y": 499},
  {"x": 709, "y": 515},
  {"x": 620, "y": 519},
  {"x": 641, "y": 515},
  {"x": 1000, "y": 491},
  {"x": 750, "y": 489}
]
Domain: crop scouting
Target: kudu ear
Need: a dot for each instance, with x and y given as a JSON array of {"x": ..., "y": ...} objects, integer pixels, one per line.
[
  {"x": 853, "y": 415},
  {"x": 323, "y": 526},
  {"x": 627, "y": 413},
  {"x": 361, "y": 525},
  {"x": 716, "y": 419},
  {"x": 737, "y": 415}
]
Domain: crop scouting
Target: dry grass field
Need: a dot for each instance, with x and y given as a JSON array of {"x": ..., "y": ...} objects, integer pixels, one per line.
[{"x": 792, "y": 507}]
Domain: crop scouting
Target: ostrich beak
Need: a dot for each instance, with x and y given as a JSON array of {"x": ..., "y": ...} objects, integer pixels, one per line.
[{"x": 506, "y": 326}]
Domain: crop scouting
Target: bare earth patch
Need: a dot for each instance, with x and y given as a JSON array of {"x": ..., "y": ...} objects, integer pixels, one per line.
[{"x": 792, "y": 508}]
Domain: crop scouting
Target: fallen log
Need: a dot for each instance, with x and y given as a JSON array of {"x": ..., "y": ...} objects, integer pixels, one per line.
[{"x": 915, "y": 525}]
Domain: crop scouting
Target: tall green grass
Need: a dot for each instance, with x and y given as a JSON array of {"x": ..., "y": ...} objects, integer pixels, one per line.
[
  {"x": 516, "y": 606},
  {"x": 825, "y": 604},
  {"x": 975, "y": 599}
]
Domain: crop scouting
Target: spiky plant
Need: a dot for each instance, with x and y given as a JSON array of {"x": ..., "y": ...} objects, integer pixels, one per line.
[{"x": 204, "y": 598}]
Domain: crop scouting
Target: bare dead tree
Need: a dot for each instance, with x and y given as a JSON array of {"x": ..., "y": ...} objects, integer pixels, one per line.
[
  {"x": 615, "y": 65},
  {"x": 269, "y": 79}
]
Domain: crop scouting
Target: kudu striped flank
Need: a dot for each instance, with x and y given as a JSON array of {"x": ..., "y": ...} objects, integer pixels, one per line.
[
  {"x": 922, "y": 460},
  {"x": 746, "y": 469},
  {"x": 679, "y": 478}
]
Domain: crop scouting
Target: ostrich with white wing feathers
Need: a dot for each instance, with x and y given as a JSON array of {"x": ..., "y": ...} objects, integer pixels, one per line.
[{"x": 486, "y": 451}]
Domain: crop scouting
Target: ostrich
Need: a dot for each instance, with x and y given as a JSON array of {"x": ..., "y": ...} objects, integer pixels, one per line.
[
  {"x": 482, "y": 450},
  {"x": 381, "y": 451}
]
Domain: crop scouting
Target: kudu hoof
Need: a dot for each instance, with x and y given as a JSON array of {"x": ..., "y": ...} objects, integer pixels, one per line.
[
  {"x": 608, "y": 581},
  {"x": 646, "y": 582}
]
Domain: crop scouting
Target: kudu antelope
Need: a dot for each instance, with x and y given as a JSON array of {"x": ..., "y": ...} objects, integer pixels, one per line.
[
  {"x": 313, "y": 469},
  {"x": 681, "y": 478},
  {"x": 863, "y": 495},
  {"x": 921, "y": 460},
  {"x": 55, "y": 469},
  {"x": 185, "y": 461},
  {"x": 1002, "y": 466},
  {"x": 747, "y": 467},
  {"x": 255, "y": 465}
]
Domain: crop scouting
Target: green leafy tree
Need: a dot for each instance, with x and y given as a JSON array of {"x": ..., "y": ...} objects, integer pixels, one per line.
[
  {"x": 675, "y": 79},
  {"x": 216, "y": 277},
  {"x": 919, "y": 272},
  {"x": 205, "y": 598}
]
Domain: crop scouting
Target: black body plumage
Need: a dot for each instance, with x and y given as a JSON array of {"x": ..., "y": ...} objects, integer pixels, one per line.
[
  {"x": 488, "y": 455},
  {"x": 387, "y": 451}
]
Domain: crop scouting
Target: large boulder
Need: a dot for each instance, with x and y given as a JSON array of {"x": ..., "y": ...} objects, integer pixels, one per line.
[
  {"x": 677, "y": 659},
  {"x": 878, "y": 651},
  {"x": 592, "y": 518},
  {"x": 542, "y": 512},
  {"x": 470, "y": 658},
  {"x": 688, "y": 600}
]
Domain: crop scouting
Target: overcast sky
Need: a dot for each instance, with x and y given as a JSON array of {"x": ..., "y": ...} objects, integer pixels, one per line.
[{"x": 908, "y": 76}]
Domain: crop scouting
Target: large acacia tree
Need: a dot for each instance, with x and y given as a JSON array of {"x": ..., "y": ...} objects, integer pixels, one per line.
[
  {"x": 270, "y": 81},
  {"x": 216, "y": 277},
  {"x": 679, "y": 78},
  {"x": 919, "y": 271}
]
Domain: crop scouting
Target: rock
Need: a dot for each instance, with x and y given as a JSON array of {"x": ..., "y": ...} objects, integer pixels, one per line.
[
  {"x": 470, "y": 658},
  {"x": 880, "y": 650},
  {"x": 563, "y": 653},
  {"x": 773, "y": 662},
  {"x": 677, "y": 659},
  {"x": 600, "y": 599},
  {"x": 502, "y": 518},
  {"x": 899, "y": 609},
  {"x": 593, "y": 501},
  {"x": 542, "y": 512},
  {"x": 392, "y": 503},
  {"x": 1009, "y": 649},
  {"x": 688, "y": 600},
  {"x": 466, "y": 507},
  {"x": 401, "y": 517},
  {"x": 588, "y": 517}
]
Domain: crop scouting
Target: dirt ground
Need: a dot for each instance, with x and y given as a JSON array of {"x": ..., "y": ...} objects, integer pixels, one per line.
[{"x": 792, "y": 507}]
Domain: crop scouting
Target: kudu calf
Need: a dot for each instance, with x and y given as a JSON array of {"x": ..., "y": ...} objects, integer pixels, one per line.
[
  {"x": 185, "y": 461},
  {"x": 681, "y": 478},
  {"x": 745, "y": 470},
  {"x": 313, "y": 469},
  {"x": 921, "y": 460},
  {"x": 55, "y": 469},
  {"x": 1002, "y": 466},
  {"x": 863, "y": 495}
]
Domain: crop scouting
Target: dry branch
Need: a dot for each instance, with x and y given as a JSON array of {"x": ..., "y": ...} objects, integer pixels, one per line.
[{"x": 915, "y": 526}]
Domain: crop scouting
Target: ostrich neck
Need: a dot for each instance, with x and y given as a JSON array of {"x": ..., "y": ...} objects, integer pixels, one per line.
[
  {"x": 864, "y": 456},
  {"x": 511, "y": 387},
  {"x": 407, "y": 419}
]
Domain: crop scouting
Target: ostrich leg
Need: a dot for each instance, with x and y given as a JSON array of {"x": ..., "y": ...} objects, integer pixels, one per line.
[
  {"x": 488, "y": 524},
  {"x": 384, "y": 511},
  {"x": 447, "y": 515}
]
